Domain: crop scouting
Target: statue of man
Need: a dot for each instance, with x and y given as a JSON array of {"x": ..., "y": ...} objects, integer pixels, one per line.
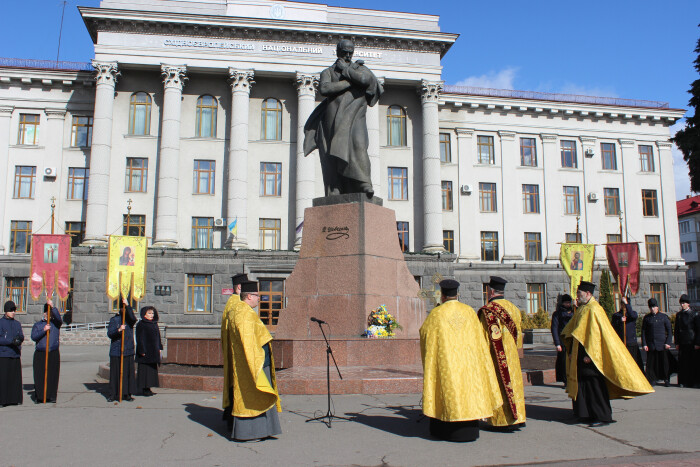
[{"x": 338, "y": 126}]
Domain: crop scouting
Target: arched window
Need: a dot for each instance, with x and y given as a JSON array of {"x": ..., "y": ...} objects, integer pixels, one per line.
[
  {"x": 140, "y": 114},
  {"x": 206, "y": 117},
  {"x": 271, "y": 125},
  {"x": 396, "y": 126}
]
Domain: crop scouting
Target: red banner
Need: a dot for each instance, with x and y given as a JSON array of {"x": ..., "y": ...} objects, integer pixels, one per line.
[
  {"x": 623, "y": 261},
  {"x": 50, "y": 265}
]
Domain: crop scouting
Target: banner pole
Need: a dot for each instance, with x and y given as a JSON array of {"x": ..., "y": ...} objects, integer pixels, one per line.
[
  {"x": 624, "y": 313},
  {"x": 46, "y": 357},
  {"x": 121, "y": 354}
]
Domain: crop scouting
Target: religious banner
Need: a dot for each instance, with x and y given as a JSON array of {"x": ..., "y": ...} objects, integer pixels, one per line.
[
  {"x": 126, "y": 267},
  {"x": 50, "y": 265},
  {"x": 623, "y": 261},
  {"x": 577, "y": 261}
]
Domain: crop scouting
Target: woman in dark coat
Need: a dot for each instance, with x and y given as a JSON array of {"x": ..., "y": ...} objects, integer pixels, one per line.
[
  {"x": 684, "y": 338},
  {"x": 656, "y": 340},
  {"x": 625, "y": 322},
  {"x": 114, "y": 332},
  {"x": 560, "y": 319},
  {"x": 148, "y": 347},
  {"x": 11, "y": 338},
  {"x": 53, "y": 325}
]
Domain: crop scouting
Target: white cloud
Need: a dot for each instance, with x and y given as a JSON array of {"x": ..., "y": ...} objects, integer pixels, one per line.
[
  {"x": 680, "y": 167},
  {"x": 493, "y": 79},
  {"x": 571, "y": 88}
]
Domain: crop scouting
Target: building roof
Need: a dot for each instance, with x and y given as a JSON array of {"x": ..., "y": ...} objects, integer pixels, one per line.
[{"x": 688, "y": 206}]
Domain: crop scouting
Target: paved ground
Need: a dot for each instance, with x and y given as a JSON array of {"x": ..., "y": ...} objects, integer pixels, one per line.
[{"x": 184, "y": 428}]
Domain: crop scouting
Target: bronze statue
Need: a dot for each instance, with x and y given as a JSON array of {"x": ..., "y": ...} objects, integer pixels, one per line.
[{"x": 338, "y": 126}]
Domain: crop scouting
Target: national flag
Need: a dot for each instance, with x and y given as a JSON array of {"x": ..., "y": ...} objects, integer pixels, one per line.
[{"x": 233, "y": 227}]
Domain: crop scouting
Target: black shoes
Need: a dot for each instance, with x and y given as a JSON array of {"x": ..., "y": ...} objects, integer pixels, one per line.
[
  {"x": 599, "y": 424},
  {"x": 667, "y": 383},
  {"x": 147, "y": 392}
]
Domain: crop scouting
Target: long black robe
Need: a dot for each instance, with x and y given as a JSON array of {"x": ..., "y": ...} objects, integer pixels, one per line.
[{"x": 593, "y": 399}]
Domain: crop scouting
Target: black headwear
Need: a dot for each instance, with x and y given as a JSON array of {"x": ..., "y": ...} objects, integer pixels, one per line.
[
  {"x": 497, "y": 283},
  {"x": 587, "y": 286},
  {"x": 566, "y": 298},
  {"x": 449, "y": 288},
  {"x": 145, "y": 309},
  {"x": 249, "y": 287},
  {"x": 10, "y": 306},
  {"x": 239, "y": 279},
  {"x": 684, "y": 299},
  {"x": 652, "y": 303}
]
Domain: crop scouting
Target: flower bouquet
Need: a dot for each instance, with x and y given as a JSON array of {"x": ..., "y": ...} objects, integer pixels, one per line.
[{"x": 381, "y": 323}]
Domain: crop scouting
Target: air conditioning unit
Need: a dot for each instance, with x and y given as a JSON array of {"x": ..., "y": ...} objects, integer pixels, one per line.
[
  {"x": 593, "y": 197},
  {"x": 589, "y": 152},
  {"x": 50, "y": 172},
  {"x": 466, "y": 189},
  {"x": 220, "y": 222}
]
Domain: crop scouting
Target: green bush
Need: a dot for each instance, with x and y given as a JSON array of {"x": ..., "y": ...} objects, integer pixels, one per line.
[
  {"x": 539, "y": 320},
  {"x": 607, "y": 301}
]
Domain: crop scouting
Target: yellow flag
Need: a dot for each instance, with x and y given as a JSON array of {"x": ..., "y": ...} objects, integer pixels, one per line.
[
  {"x": 126, "y": 267},
  {"x": 577, "y": 261}
]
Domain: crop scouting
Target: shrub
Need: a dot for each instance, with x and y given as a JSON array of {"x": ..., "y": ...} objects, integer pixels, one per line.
[{"x": 539, "y": 320}]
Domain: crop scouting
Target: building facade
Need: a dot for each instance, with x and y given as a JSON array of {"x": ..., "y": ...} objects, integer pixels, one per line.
[
  {"x": 188, "y": 126},
  {"x": 689, "y": 229}
]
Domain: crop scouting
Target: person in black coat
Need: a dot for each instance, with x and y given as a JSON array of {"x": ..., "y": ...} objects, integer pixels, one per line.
[
  {"x": 11, "y": 338},
  {"x": 148, "y": 347},
  {"x": 684, "y": 338},
  {"x": 656, "y": 340},
  {"x": 560, "y": 319},
  {"x": 53, "y": 325},
  {"x": 114, "y": 332},
  {"x": 625, "y": 321}
]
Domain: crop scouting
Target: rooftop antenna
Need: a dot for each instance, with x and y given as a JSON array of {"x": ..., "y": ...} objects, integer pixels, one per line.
[{"x": 60, "y": 31}]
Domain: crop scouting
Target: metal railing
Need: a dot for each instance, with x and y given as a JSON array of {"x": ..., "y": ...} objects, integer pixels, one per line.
[
  {"x": 45, "y": 64},
  {"x": 85, "y": 326},
  {"x": 557, "y": 97}
]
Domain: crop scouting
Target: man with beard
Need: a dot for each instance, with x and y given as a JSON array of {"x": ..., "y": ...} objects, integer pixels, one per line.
[{"x": 656, "y": 340}]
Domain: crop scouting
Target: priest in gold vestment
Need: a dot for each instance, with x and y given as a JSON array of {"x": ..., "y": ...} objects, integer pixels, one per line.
[
  {"x": 255, "y": 398},
  {"x": 599, "y": 367},
  {"x": 227, "y": 348},
  {"x": 459, "y": 382}
]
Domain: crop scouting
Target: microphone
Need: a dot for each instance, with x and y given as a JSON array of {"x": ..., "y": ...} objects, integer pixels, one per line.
[{"x": 319, "y": 321}]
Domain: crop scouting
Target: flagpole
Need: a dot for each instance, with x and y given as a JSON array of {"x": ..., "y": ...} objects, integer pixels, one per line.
[
  {"x": 48, "y": 314},
  {"x": 624, "y": 311},
  {"x": 121, "y": 354}
]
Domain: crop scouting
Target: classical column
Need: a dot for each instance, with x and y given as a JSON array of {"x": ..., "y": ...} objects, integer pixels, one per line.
[
  {"x": 241, "y": 81},
  {"x": 631, "y": 198},
  {"x": 550, "y": 198},
  {"x": 592, "y": 182},
  {"x": 373, "y": 149},
  {"x": 306, "y": 85},
  {"x": 169, "y": 161},
  {"x": 5, "y": 117},
  {"x": 667, "y": 205},
  {"x": 469, "y": 203},
  {"x": 432, "y": 188},
  {"x": 513, "y": 234},
  {"x": 53, "y": 139},
  {"x": 100, "y": 154}
]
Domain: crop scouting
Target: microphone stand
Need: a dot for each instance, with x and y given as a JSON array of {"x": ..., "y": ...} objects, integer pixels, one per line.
[{"x": 329, "y": 354}]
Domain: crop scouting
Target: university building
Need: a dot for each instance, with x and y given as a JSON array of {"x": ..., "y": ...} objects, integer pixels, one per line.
[
  {"x": 190, "y": 119},
  {"x": 689, "y": 229}
]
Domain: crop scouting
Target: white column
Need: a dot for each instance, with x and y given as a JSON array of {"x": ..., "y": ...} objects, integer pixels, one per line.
[
  {"x": 550, "y": 198},
  {"x": 591, "y": 183},
  {"x": 56, "y": 119},
  {"x": 5, "y": 118},
  {"x": 432, "y": 194},
  {"x": 668, "y": 204},
  {"x": 169, "y": 160},
  {"x": 306, "y": 85},
  {"x": 241, "y": 81},
  {"x": 373, "y": 149},
  {"x": 469, "y": 203},
  {"x": 513, "y": 238},
  {"x": 100, "y": 154}
]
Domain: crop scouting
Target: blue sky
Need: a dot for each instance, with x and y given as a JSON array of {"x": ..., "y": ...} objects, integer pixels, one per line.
[{"x": 640, "y": 49}]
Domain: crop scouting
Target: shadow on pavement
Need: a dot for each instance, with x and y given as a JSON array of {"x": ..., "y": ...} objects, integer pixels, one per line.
[
  {"x": 402, "y": 421},
  {"x": 100, "y": 388},
  {"x": 550, "y": 414},
  {"x": 208, "y": 417}
]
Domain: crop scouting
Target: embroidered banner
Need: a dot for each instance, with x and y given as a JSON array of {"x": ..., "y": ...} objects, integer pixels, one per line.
[
  {"x": 623, "y": 261},
  {"x": 577, "y": 261},
  {"x": 126, "y": 267},
  {"x": 50, "y": 265}
]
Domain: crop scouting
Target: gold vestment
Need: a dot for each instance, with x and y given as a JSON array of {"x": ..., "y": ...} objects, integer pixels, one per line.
[{"x": 226, "y": 348}]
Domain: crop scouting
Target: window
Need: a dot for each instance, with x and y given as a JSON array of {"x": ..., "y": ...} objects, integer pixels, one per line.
[
  {"x": 140, "y": 114},
  {"x": 448, "y": 240},
  {"x": 446, "y": 196},
  {"x": 484, "y": 146},
  {"x": 607, "y": 151},
  {"x": 445, "y": 149},
  {"x": 198, "y": 293},
  {"x": 571, "y": 201},
  {"x": 649, "y": 204},
  {"x": 568, "y": 154},
  {"x": 20, "y": 236},
  {"x": 136, "y": 174},
  {"x": 684, "y": 227},
  {"x": 202, "y": 232},
  {"x": 402, "y": 229},
  {"x": 269, "y": 234},
  {"x": 533, "y": 246},
  {"x": 653, "y": 245},
  {"x": 28, "y": 129},
  {"x": 132, "y": 303},
  {"x": 203, "y": 177},
  {"x": 77, "y": 182},
  {"x": 206, "y": 117},
  {"x": 81, "y": 132},
  {"x": 611, "y": 201},
  {"x": 485, "y": 294},
  {"x": 658, "y": 291},
  {"x": 646, "y": 158},
  {"x": 25, "y": 182},
  {"x": 271, "y": 115},
  {"x": 77, "y": 232},
  {"x": 614, "y": 238},
  {"x": 531, "y": 199},
  {"x": 572, "y": 237},
  {"x": 489, "y": 246},
  {"x": 686, "y": 247},
  {"x": 271, "y": 300},
  {"x": 270, "y": 179},
  {"x": 528, "y": 152},
  {"x": 535, "y": 298},
  {"x": 398, "y": 183},
  {"x": 134, "y": 225},
  {"x": 16, "y": 290},
  {"x": 396, "y": 126},
  {"x": 487, "y": 197}
]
